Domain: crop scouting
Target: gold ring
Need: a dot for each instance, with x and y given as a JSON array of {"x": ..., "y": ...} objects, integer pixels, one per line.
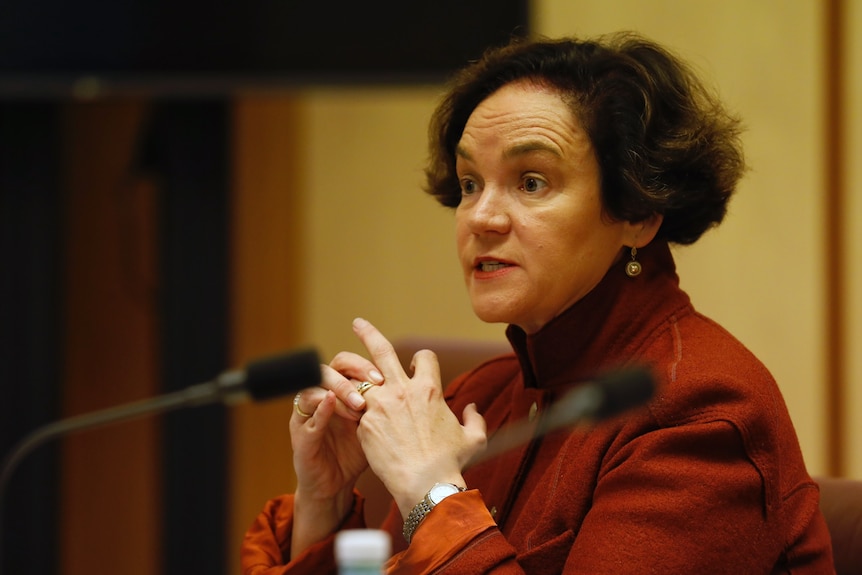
[
  {"x": 298, "y": 409},
  {"x": 363, "y": 387}
]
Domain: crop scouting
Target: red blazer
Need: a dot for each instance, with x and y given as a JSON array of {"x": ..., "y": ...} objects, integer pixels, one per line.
[{"x": 708, "y": 478}]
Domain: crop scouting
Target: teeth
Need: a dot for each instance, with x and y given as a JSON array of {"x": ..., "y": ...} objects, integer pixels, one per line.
[{"x": 491, "y": 266}]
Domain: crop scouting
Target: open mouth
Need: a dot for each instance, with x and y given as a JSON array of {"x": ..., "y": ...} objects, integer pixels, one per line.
[{"x": 491, "y": 266}]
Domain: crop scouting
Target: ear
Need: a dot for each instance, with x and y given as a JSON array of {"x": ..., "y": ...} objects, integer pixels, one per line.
[{"x": 643, "y": 232}]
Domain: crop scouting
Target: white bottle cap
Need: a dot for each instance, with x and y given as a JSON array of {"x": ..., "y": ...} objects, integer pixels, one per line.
[{"x": 363, "y": 546}]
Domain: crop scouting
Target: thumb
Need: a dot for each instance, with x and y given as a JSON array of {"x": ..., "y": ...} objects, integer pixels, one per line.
[{"x": 475, "y": 428}]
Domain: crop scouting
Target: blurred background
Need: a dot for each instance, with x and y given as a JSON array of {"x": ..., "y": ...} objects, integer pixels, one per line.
[{"x": 185, "y": 187}]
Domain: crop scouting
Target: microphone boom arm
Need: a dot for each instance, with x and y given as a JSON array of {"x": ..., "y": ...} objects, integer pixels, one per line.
[
  {"x": 262, "y": 379},
  {"x": 200, "y": 394},
  {"x": 596, "y": 400}
]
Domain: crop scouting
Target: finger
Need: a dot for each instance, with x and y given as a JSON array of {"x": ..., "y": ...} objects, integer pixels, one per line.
[
  {"x": 426, "y": 365},
  {"x": 475, "y": 427},
  {"x": 298, "y": 411},
  {"x": 307, "y": 400},
  {"x": 344, "y": 389},
  {"x": 306, "y": 407},
  {"x": 357, "y": 367},
  {"x": 382, "y": 353},
  {"x": 323, "y": 413}
]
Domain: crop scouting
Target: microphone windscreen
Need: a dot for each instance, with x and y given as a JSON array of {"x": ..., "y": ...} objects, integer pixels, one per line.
[
  {"x": 282, "y": 374},
  {"x": 623, "y": 390}
]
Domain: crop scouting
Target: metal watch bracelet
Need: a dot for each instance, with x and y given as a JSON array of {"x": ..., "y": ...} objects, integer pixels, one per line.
[{"x": 420, "y": 510}]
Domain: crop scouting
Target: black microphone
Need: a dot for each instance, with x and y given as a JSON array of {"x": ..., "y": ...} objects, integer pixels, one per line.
[
  {"x": 262, "y": 379},
  {"x": 273, "y": 376},
  {"x": 601, "y": 398}
]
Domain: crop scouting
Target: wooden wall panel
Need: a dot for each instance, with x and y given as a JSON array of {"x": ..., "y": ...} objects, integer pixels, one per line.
[
  {"x": 266, "y": 294},
  {"x": 834, "y": 159},
  {"x": 853, "y": 237},
  {"x": 110, "y": 475}
]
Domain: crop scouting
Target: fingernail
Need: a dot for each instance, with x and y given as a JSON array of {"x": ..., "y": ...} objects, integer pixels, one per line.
[
  {"x": 359, "y": 323},
  {"x": 355, "y": 400},
  {"x": 375, "y": 376}
]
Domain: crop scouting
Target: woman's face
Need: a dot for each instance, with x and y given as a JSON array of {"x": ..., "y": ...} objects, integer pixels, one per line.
[{"x": 531, "y": 233}]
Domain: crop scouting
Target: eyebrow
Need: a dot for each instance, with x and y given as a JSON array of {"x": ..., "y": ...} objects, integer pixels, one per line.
[
  {"x": 529, "y": 147},
  {"x": 459, "y": 151},
  {"x": 520, "y": 149}
]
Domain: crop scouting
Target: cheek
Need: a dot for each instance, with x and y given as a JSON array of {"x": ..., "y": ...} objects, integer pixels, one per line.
[
  {"x": 566, "y": 251},
  {"x": 460, "y": 222},
  {"x": 548, "y": 241},
  {"x": 462, "y": 237},
  {"x": 460, "y": 227}
]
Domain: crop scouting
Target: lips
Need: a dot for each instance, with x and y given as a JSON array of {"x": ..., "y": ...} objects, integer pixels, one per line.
[{"x": 491, "y": 266}]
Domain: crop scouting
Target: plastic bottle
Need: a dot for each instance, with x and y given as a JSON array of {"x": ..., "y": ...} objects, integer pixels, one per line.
[{"x": 362, "y": 551}]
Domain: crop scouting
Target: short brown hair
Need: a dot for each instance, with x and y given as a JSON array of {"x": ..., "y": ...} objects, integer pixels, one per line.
[{"x": 664, "y": 143}]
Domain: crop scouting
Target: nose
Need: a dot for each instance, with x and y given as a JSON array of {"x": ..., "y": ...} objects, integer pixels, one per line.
[{"x": 487, "y": 211}]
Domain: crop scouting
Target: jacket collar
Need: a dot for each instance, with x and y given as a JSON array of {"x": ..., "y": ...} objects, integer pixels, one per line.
[{"x": 605, "y": 328}]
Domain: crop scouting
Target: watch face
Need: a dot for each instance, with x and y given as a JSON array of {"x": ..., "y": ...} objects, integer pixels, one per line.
[{"x": 441, "y": 491}]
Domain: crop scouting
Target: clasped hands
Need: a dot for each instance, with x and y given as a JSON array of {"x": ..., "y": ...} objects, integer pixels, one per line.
[{"x": 401, "y": 427}]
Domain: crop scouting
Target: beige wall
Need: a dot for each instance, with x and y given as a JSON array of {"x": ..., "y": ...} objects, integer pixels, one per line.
[{"x": 379, "y": 247}]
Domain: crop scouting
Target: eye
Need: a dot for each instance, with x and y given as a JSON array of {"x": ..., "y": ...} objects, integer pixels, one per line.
[
  {"x": 533, "y": 184},
  {"x": 468, "y": 186}
]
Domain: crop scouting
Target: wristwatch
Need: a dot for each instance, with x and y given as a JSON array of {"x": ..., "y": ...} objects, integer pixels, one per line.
[{"x": 438, "y": 493}]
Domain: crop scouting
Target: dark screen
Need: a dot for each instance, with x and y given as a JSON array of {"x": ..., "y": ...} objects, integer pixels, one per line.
[{"x": 248, "y": 41}]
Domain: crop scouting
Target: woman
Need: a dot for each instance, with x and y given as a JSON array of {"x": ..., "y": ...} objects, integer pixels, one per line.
[{"x": 571, "y": 166}]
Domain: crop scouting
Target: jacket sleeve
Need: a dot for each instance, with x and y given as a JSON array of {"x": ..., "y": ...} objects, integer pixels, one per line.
[
  {"x": 266, "y": 546},
  {"x": 460, "y": 522}
]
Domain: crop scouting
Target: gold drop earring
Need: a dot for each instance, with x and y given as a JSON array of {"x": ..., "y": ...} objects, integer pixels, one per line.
[{"x": 633, "y": 268}]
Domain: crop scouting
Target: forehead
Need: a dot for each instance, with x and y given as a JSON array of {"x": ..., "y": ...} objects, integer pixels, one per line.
[{"x": 523, "y": 115}]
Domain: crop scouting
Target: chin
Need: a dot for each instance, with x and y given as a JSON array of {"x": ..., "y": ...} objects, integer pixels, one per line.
[{"x": 491, "y": 314}]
